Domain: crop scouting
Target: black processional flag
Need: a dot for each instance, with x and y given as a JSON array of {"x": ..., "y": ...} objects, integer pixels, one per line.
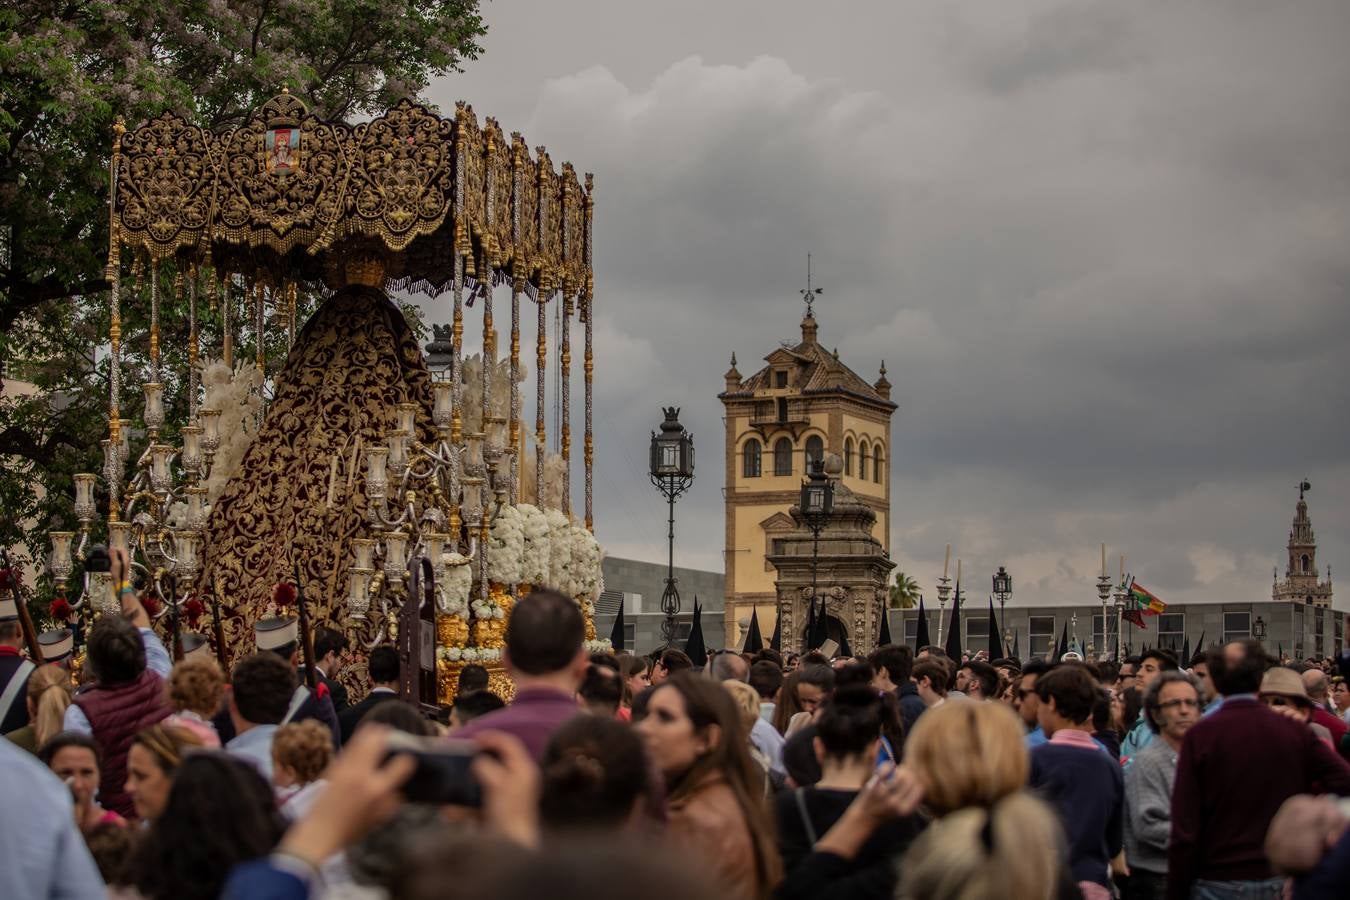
[
  {"x": 754, "y": 641},
  {"x": 953, "y": 647},
  {"x": 1063, "y": 646},
  {"x": 616, "y": 633},
  {"x": 776, "y": 642},
  {"x": 921, "y": 638},
  {"x": 885, "y": 637},
  {"x": 995, "y": 637},
  {"x": 694, "y": 648}
]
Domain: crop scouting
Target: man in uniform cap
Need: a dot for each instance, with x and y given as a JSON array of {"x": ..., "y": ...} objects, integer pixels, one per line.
[
  {"x": 58, "y": 646},
  {"x": 14, "y": 669},
  {"x": 195, "y": 646},
  {"x": 282, "y": 637}
]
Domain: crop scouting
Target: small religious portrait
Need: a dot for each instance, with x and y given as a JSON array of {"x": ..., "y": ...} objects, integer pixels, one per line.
[{"x": 281, "y": 149}]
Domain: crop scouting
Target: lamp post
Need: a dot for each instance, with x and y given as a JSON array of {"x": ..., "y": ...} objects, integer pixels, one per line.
[
  {"x": 1104, "y": 592},
  {"x": 1259, "y": 629},
  {"x": 672, "y": 471},
  {"x": 817, "y": 503},
  {"x": 1002, "y": 590}
]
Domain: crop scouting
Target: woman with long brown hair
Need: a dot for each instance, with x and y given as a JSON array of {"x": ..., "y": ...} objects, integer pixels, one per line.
[
  {"x": 788, "y": 703},
  {"x": 694, "y": 735}
]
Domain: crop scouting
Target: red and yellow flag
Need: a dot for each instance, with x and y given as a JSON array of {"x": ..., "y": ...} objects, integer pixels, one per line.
[{"x": 1145, "y": 600}]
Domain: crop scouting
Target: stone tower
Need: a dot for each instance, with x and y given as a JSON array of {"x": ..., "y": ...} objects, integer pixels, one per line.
[
  {"x": 850, "y": 568},
  {"x": 802, "y": 404},
  {"x": 1301, "y": 582}
]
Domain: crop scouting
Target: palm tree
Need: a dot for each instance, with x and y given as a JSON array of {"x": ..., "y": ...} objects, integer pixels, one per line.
[{"x": 904, "y": 593}]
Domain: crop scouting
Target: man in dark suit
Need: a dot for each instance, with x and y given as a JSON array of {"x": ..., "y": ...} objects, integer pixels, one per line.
[
  {"x": 329, "y": 645},
  {"x": 1235, "y": 769},
  {"x": 14, "y": 669},
  {"x": 384, "y": 671}
]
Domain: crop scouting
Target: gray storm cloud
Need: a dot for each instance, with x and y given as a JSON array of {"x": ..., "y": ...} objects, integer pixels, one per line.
[{"x": 1100, "y": 246}]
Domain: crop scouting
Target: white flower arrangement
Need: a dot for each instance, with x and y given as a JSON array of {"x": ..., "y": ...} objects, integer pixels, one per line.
[
  {"x": 467, "y": 655},
  {"x": 486, "y": 609},
  {"x": 560, "y": 551},
  {"x": 599, "y": 646},
  {"x": 506, "y": 547},
  {"x": 453, "y": 597},
  {"x": 587, "y": 555},
  {"x": 536, "y": 552}
]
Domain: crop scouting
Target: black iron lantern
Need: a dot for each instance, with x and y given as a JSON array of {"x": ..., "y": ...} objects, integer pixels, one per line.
[
  {"x": 672, "y": 449},
  {"x": 817, "y": 501},
  {"x": 1259, "y": 629},
  {"x": 1002, "y": 582}
]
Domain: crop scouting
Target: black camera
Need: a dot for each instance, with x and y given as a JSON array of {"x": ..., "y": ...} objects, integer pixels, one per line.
[{"x": 97, "y": 560}]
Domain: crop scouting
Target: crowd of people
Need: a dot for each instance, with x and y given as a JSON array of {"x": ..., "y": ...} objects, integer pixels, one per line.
[{"x": 895, "y": 775}]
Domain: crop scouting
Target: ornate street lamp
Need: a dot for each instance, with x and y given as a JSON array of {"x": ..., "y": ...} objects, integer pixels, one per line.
[
  {"x": 1259, "y": 629},
  {"x": 816, "y": 504},
  {"x": 672, "y": 471},
  {"x": 1002, "y": 590}
]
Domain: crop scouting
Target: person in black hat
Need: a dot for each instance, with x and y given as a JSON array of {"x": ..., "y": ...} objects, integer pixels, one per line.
[
  {"x": 282, "y": 637},
  {"x": 14, "y": 669}
]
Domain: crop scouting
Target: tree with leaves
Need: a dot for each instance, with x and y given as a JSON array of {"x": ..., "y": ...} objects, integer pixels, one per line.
[
  {"x": 68, "y": 72},
  {"x": 904, "y": 591}
]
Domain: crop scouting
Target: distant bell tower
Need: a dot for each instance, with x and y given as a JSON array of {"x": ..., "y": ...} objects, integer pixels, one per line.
[
  {"x": 802, "y": 404},
  {"x": 1301, "y": 582}
]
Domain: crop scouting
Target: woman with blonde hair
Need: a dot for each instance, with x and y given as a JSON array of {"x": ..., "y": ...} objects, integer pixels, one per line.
[
  {"x": 987, "y": 854},
  {"x": 967, "y": 754},
  {"x": 747, "y": 701},
  {"x": 48, "y": 694},
  {"x": 195, "y": 689}
]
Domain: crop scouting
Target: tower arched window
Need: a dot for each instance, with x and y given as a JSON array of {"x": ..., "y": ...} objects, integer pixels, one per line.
[
  {"x": 876, "y": 464},
  {"x": 1303, "y": 561},
  {"x": 815, "y": 449},
  {"x": 848, "y": 456},
  {"x": 863, "y": 451},
  {"x": 782, "y": 457},
  {"x": 751, "y": 459}
]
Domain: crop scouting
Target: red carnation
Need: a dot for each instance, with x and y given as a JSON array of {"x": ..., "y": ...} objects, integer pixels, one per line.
[
  {"x": 60, "y": 609},
  {"x": 321, "y": 691},
  {"x": 283, "y": 594},
  {"x": 193, "y": 610},
  {"x": 151, "y": 604},
  {"x": 8, "y": 579}
]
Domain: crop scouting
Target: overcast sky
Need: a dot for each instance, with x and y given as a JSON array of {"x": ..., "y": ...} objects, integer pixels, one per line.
[{"x": 1101, "y": 246}]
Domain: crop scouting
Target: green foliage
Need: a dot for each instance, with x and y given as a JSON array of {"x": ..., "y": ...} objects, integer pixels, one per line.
[
  {"x": 68, "y": 71},
  {"x": 904, "y": 591}
]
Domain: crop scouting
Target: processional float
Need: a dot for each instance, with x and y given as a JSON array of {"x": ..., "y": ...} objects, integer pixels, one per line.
[{"x": 405, "y": 505}]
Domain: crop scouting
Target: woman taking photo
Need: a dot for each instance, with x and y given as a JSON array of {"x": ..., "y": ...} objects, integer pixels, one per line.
[
  {"x": 693, "y": 734},
  {"x": 74, "y": 758},
  {"x": 848, "y": 737}
]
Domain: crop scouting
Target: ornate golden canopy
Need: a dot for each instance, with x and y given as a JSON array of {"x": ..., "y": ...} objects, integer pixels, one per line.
[{"x": 289, "y": 197}]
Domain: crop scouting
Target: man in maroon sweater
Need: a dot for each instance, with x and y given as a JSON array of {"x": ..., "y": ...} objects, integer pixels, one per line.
[
  {"x": 546, "y": 656},
  {"x": 1235, "y": 769}
]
